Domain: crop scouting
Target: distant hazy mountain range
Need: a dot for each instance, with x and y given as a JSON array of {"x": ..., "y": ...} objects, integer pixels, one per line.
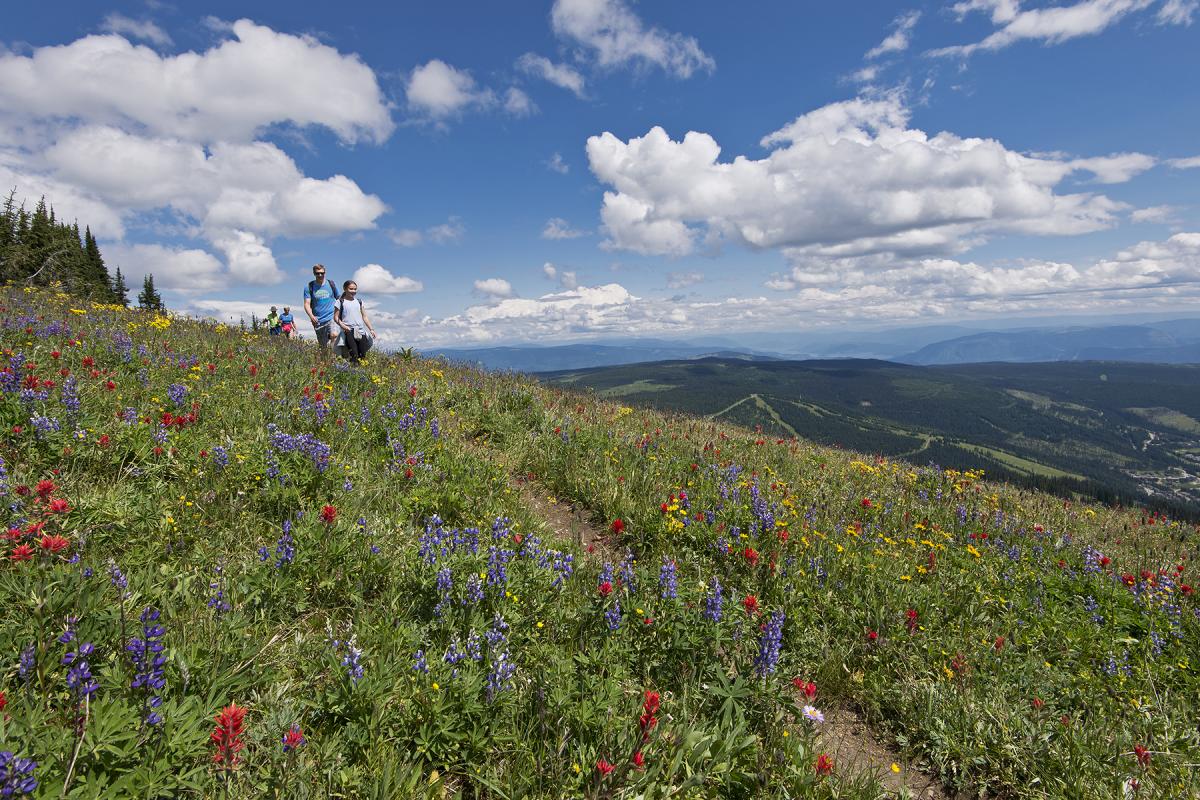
[
  {"x": 580, "y": 356},
  {"x": 1174, "y": 341}
]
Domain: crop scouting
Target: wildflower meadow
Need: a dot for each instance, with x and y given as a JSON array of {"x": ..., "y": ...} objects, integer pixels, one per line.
[{"x": 234, "y": 569}]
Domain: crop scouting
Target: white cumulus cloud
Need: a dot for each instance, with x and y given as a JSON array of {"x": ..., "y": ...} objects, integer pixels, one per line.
[
  {"x": 562, "y": 75},
  {"x": 897, "y": 41},
  {"x": 616, "y": 37},
  {"x": 439, "y": 91},
  {"x": 111, "y": 131},
  {"x": 518, "y": 103},
  {"x": 1057, "y": 24},
  {"x": 376, "y": 279},
  {"x": 241, "y": 86},
  {"x": 850, "y": 177},
  {"x": 1164, "y": 214},
  {"x": 568, "y": 279},
  {"x": 559, "y": 228},
  {"x": 1177, "y": 12},
  {"x": 143, "y": 29},
  {"x": 494, "y": 287},
  {"x": 174, "y": 268}
]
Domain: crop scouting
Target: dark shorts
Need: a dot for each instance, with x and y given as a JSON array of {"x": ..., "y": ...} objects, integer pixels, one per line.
[{"x": 325, "y": 333}]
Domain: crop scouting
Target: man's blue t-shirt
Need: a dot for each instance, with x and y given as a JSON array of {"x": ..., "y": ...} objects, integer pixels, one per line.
[{"x": 322, "y": 298}]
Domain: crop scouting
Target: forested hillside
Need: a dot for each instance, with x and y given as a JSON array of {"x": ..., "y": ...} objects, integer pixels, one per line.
[
  {"x": 38, "y": 249},
  {"x": 1120, "y": 432}
]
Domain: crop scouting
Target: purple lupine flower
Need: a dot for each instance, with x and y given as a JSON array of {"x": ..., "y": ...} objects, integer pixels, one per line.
[
  {"x": 563, "y": 565},
  {"x": 27, "y": 662},
  {"x": 70, "y": 397},
  {"x": 148, "y": 663},
  {"x": 285, "y": 548},
  {"x": 497, "y": 571},
  {"x": 713, "y": 601},
  {"x": 68, "y": 635},
  {"x": 612, "y": 616},
  {"x": 606, "y": 575},
  {"x": 627, "y": 574},
  {"x": 44, "y": 426},
  {"x": 769, "y": 645},
  {"x": 352, "y": 661},
  {"x": 117, "y": 578},
  {"x": 220, "y": 457},
  {"x": 177, "y": 393},
  {"x": 419, "y": 662},
  {"x": 501, "y": 666},
  {"x": 79, "y": 677},
  {"x": 16, "y": 775},
  {"x": 474, "y": 590},
  {"x": 317, "y": 451},
  {"x": 444, "y": 585},
  {"x": 217, "y": 601},
  {"x": 667, "y": 579}
]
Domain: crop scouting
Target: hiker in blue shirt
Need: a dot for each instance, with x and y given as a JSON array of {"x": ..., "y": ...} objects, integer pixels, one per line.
[{"x": 319, "y": 297}]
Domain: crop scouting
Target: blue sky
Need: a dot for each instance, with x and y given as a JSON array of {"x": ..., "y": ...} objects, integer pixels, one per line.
[{"x": 493, "y": 173}]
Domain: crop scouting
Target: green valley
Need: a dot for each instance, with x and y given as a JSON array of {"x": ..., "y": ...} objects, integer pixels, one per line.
[{"x": 1121, "y": 432}]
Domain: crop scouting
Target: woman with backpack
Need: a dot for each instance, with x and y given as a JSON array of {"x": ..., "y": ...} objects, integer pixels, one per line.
[{"x": 351, "y": 317}]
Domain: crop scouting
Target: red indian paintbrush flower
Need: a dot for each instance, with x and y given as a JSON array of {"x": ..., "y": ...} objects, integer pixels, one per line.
[
  {"x": 603, "y": 767},
  {"x": 750, "y": 604},
  {"x": 328, "y": 515},
  {"x": 227, "y": 735},
  {"x": 809, "y": 688},
  {"x": 824, "y": 765},
  {"x": 1142, "y": 754},
  {"x": 59, "y": 506},
  {"x": 45, "y": 489},
  {"x": 618, "y": 526},
  {"x": 21, "y": 552},
  {"x": 54, "y": 544}
]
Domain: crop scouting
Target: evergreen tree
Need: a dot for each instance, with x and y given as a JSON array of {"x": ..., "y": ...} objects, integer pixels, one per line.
[
  {"x": 94, "y": 273},
  {"x": 119, "y": 290},
  {"x": 38, "y": 249},
  {"x": 149, "y": 299},
  {"x": 254, "y": 322}
]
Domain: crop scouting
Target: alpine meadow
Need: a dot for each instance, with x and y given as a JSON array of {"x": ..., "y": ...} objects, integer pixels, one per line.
[{"x": 233, "y": 569}]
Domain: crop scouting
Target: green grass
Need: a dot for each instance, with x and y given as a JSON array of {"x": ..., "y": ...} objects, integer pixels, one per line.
[
  {"x": 1019, "y": 464},
  {"x": 637, "y": 387},
  {"x": 313, "y": 518},
  {"x": 1168, "y": 418}
]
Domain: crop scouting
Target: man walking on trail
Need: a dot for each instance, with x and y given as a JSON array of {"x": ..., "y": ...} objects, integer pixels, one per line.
[{"x": 319, "y": 297}]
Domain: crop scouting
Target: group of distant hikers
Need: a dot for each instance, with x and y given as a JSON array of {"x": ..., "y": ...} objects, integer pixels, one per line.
[{"x": 338, "y": 318}]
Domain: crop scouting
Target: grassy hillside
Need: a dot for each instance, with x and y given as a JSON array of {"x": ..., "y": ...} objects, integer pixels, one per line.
[
  {"x": 340, "y": 565},
  {"x": 1121, "y": 432}
]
